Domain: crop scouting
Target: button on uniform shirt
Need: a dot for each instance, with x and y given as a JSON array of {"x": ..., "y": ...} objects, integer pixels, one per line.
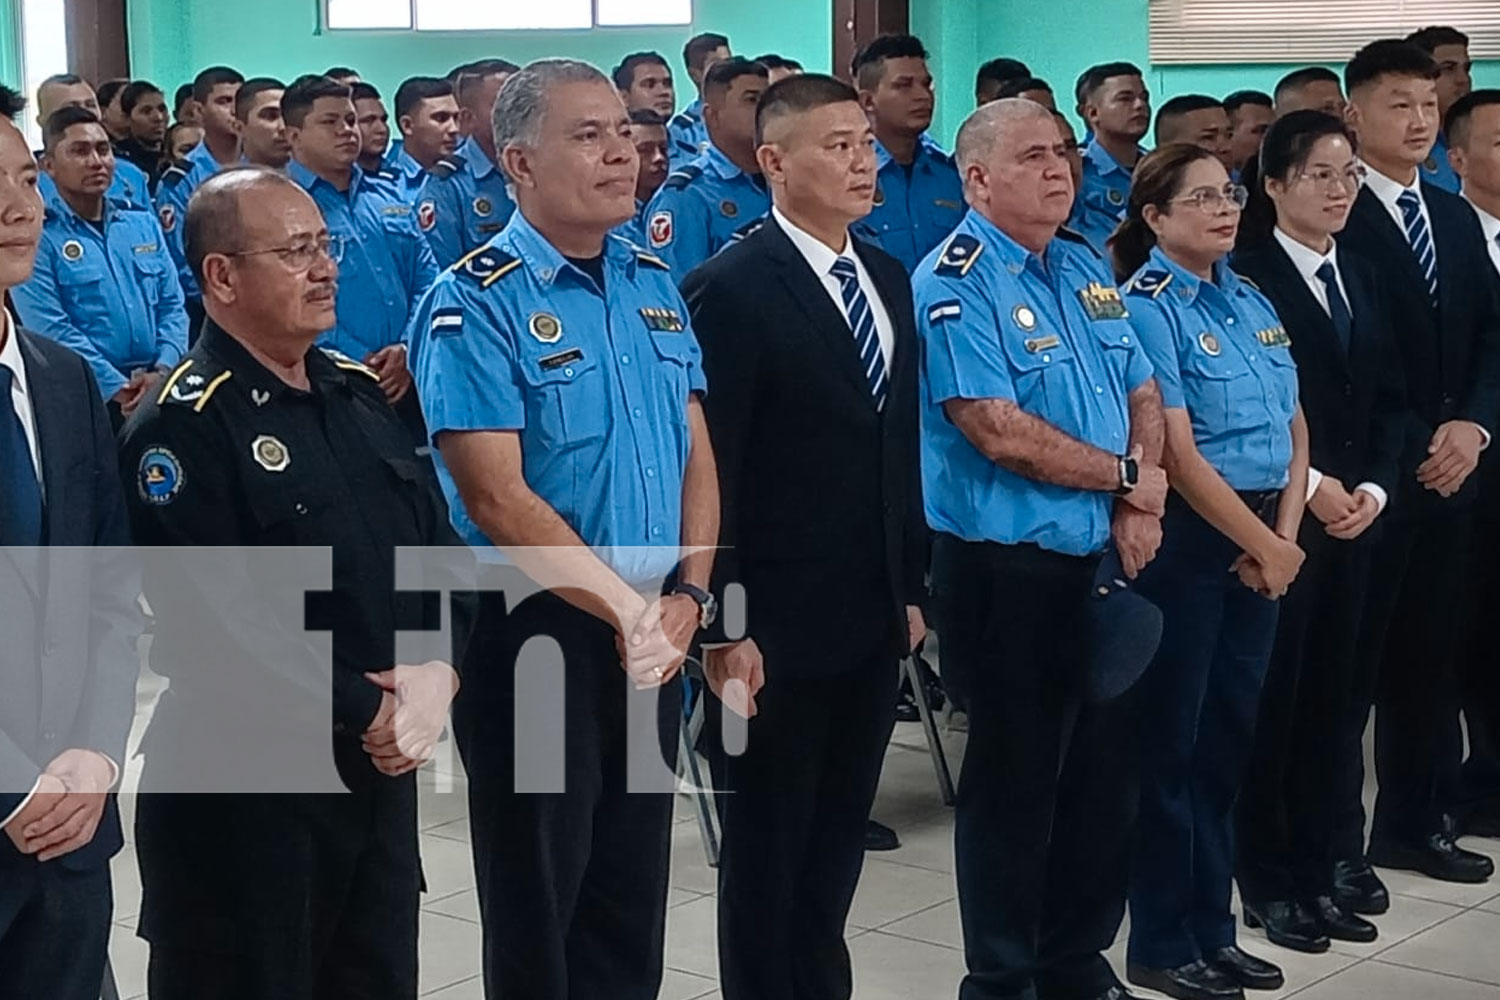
[
  {"x": 821, "y": 258},
  {"x": 463, "y": 203},
  {"x": 1106, "y": 184},
  {"x": 130, "y": 185},
  {"x": 701, "y": 208},
  {"x": 687, "y": 136},
  {"x": 916, "y": 207},
  {"x": 177, "y": 185},
  {"x": 1221, "y": 353},
  {"x": 1438, "y": 171},
  {"x": 1491, "y": 228},
  {"x": 1048, "y": 333},
  {"x": 386, "y": 266},
  {"x": 107, "y": 291},
  {"x": 596, "y": 382}
]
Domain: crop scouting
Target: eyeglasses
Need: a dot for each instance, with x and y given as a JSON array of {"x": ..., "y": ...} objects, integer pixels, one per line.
[
  {"x": 1210, "y": 201},
  {"x": 301, "y": 256},
  {"x": 1335, "y": 181}
]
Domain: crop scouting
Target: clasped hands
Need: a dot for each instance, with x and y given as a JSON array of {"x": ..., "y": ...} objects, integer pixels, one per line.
[
  {"x": 64, "y": 812},
  {"x": 413, "y": 710}
]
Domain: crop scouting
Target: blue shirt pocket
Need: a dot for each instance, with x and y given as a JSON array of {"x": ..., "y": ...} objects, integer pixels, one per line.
[{"x": 567, "y": 405}]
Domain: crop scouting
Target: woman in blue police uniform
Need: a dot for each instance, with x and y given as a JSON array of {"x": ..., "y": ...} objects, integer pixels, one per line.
[
  {"x": 1236, "y": 454},
  {"x": 1353, "y": 392}
]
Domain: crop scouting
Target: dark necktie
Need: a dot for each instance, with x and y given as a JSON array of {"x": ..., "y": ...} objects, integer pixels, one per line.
[
  {"x": 1338, "y": 309},
  {"x": 20, "y": 492},
  {"x": 1420, "y": 238},
  {"x": 862, "y": 322}
]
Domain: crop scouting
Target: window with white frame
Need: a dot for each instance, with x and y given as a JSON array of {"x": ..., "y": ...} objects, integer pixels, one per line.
[{"x": 501, "y": 15}]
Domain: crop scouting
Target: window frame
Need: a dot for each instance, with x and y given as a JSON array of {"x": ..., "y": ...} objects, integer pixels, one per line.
[{"x": 324, "y": 27}]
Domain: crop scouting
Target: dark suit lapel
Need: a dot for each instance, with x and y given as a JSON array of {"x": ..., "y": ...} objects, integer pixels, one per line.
[
  {"x": 1364, "y": 344},
  {"x": 1448, "y": 243},
  {"x": 905, "y": 334},
  {"x": 49, "y": 409},
  {"x": 1288, "y": 277}
]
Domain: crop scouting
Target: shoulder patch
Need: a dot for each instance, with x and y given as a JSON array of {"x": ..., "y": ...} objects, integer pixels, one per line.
[
  {"x": 679, "y": 179},
  {"x": 192, "y": 383},
  {"x": 342, "y": 360},
  {"x": 173, "y": 176},
  {"x": 1151, "y": 283},
  {"x": 448, "y": 166},
  {"x": 959, "y": 255},
  {"x": 486, "y": 266}
]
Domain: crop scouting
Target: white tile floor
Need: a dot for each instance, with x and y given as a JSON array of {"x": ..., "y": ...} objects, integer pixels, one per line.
[{"x": 1439, "y": 942}]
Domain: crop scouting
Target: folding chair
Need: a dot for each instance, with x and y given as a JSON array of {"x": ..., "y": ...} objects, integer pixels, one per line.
[
  {"x": 694, "y": 701},
  {"x": 912, "y": 669},
  {"x": 109, "y": 991}
]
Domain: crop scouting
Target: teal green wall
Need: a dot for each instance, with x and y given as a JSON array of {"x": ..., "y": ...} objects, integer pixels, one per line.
[
  {"x": 170, "y": 40},
  {"x": 10, "y": 43}
]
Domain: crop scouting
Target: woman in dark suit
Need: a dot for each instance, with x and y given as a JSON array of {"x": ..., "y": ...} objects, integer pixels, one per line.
[{"x": 1350, "y": 385}]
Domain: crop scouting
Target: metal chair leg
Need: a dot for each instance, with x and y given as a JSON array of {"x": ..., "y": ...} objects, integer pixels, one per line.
[
  {"x": 109, "y": 991},
  {"x": 929, "y": 726},
  {"x": 692, "y": 725}
]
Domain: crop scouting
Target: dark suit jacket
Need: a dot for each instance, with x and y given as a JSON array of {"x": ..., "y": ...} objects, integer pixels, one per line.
[
  {"x": 68, "y": 665},
  {"x": 1355, "y": 400},
  {"x": 1450, "y": 356},
  {"x": 822, "y": 513}
]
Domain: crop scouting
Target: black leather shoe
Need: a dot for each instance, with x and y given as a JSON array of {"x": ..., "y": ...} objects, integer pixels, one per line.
[
  {"x": 1250, "y": 972},
  {"x": 1190, "y": 982},
  {"x": 1341, "y": 925},
  {"x": 1437, "y": 856},
  {"x": 1288, "y": 924},
  {"x": 1359, "y": 890},
  {"x": 879, "y": 837},
  {"x": 906, "y": 708}
]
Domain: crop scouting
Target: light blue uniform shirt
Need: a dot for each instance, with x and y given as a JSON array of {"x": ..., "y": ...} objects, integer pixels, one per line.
[
  {"x": 386, "y": 266},
  {"x": 1094, "y": 224},
  {"x": 1221, "y": 353},
  {"x": 463, "y": 203},
  {"x": 515, "y": 338},
  {"x": 129, "y": 186},
  {"x": 112, "y": 297},
  {"x": 916, "y": 208},
  {"x": 177, "y": 186},
  {"x": 633, "y": 229},
  {"x": 1437, "y": 170},
  {"x": 687, "y": 136},
  {"x": 1047, "y": 333},
  {"x": 1106, "y": 184},
  {"x": 700, "y": 208},
  {"x": 409, "y": 175}
]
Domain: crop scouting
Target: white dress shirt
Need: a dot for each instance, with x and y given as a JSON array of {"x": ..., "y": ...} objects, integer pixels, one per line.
[
  {"x": 1388, "y": 191},
  {"x": 1491, "y": 227},
  {"x": 821, "y": 258},
  {"x": 1307, "y": 261}
]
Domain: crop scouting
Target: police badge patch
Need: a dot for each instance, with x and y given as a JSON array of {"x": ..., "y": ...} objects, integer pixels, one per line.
[{"x": 159, "y": 476}]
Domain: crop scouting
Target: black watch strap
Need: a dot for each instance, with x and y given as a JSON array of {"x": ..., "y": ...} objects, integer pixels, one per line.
[{"x": 707, "y": 606}]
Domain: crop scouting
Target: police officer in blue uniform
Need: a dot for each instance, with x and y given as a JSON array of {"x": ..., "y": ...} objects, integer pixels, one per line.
[
  {"x": 1237, "y": 455},
  {"x": 1093, "y": 224},
  {"x": 465, "y": 200},
  {"x": 702, "y": 206},
  {"x": 386, "y": 264},
  {"x": 1449, "y": 47},
  {"x": 918, "y": 195},
  {"x": 687, "y": 131},
  {"x": 103, "y": 283},
  {"x": 1041, "y": 441},
  {"x": 1116, "y": 107},
  {"x": 65, "y": 90},
  {"x": 427, "y": 115},
  {"x": 648, "y": 130},
  {"x": 560, "y": 377}
]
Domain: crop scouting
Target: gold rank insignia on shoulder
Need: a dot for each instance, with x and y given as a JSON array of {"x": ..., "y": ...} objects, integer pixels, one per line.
[
  {"x": 270, "y": 454},
  {"x": 1275, "y": 336},
  {"x": 72, "y": 250},
  {"x": 1209, "y": 343},
  {"x": 1102, "y": 301},
  {"x": 662, "y": 320},
  {"x": 342, "y": 360},
  {"x": 545, "y": 327},
  {"x": 1038, "y": 344},
  {"x": 959, "y": 255},
  {"x": 191, "y": 388},
  {"x": 1151, "y": 283}
]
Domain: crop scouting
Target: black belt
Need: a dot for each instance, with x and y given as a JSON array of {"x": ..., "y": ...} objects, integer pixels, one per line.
[{"x": 1264, "y": 503}]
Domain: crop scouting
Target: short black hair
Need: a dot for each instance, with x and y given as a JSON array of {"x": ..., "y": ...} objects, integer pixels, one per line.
[
  {"x": 334, "y": 72},
  {"x": 205, "y": 82},
  {"x": 137, "y": 91},
  {"x": 12, "y": 103},
  {"x": 415, "y": 90},
  {"x": 869, "y": 62},
  {"x": 723, "y": 74},
  {"x": 469, "y": 74},
  {"x": 63, "y": 119},
  {"x": 700, "y": 47},
  {"x": 1240, "y": 98},
  {"x": 109, "y": 90},
  {"x": 304, "y": 92},
  {"x": 645, "y": 116},
  {"x": 797, "y": 94},
  {"x": 1428, "y": 39},
  {"x": 362, "y": 91},
  {"x": 183, "y": 94},
  {"x": 1183, "y": 105},
  {"x": 1000, "y": 72},
  {"x": 1020, "y": 85},
  {"x": 1097, "y": 76},
  {"x": 1299, "y": 78},
  {"x": 773, "y": 61},
  {"x": 624, "y": 74},
  {"x": 1456, "y": 124},
  {"x": 249, "y": 90},
  {"x": 1388, "y": 57}
]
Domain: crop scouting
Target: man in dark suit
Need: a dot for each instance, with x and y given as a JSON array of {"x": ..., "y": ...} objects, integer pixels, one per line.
[
  {"x": 1446, "y": 316},
  {"x": 68, "y": 664},
  {"x": 810, "y": 346}
]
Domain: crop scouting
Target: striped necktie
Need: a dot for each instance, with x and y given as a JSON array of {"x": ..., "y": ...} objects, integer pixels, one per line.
[
  {"x": 1420, "y": 238},
  {"x": 862, "y": 322},
  {"x": 20, "y": 492}
]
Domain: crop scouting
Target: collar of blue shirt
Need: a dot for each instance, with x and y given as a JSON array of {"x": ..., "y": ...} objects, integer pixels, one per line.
[
  {"x": 406, "y": 166},
  {"x": 307, "y": 180},
  {"x": 1187, "y": 284},
  {"x": 1101, "y": 160},
  {"x": 544, "y": 260},
  {"x": 926, "y": 146},
  {"x": 479, "y": 164},
  {"x": 714, "y": 159}
]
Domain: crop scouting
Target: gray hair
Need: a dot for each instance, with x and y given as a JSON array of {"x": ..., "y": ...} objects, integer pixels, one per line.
[
  {"x": 517, "y": 116},
  {"x": 215, "y": 220},
  {"x": 987, "y": 126}
]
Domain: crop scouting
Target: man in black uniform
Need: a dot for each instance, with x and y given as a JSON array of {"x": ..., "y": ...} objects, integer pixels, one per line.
[{"x": 259, "y": 439}]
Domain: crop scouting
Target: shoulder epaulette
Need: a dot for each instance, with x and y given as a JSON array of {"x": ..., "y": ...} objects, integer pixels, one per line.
[
  {"x": 486, "y": 266},
  {"x": 651, "y": 260},
  {"x": 173, "y": 175},
  {"x": 1151, "y": 283},
  {"x": 748, "y": 229},
  {"x": 1073, "y": 236},
  {"x": 944, "y": 158},
  {"x": 1247, "y": 281},
  {"x": 679, "y": 179},
  {"x": 342, "y": 360},
  {"x": 192, "y": 383},
  {"x": 448, "y": 166},
  {"x": 959, "y": 255}
]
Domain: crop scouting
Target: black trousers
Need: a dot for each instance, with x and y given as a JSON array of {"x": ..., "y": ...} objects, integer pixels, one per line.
[
  {"x": 794, "y": 827},
  {"x": 1047, "y": 794},
  {"x": 1411, "y": 630},
  {"x": 572, "y": 884},
  {"x": 1478, "y": 787},
  {"x": 1285, "y": 816},
  {"x": 54, "y": 928}
]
